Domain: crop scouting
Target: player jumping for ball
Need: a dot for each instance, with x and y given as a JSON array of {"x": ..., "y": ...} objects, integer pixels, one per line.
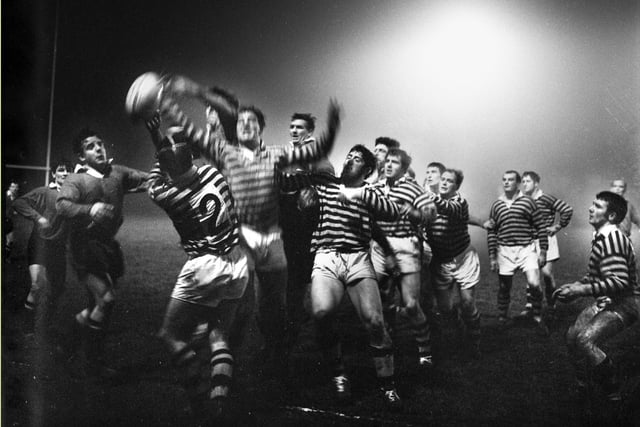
[{"x": 214, "y": 278}]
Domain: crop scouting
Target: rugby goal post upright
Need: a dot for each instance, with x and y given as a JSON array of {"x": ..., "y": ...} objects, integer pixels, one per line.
[{"x": 47, "y": 165}]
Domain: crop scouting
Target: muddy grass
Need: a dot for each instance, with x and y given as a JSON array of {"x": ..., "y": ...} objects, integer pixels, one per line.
[{"x": 522, "y": 378}]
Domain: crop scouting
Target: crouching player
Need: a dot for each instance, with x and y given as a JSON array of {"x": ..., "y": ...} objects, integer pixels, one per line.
[
  {"x": 215, "y": 276},
  {"x": 342, "y": 263},
  {"x": 612, "y": 281}
]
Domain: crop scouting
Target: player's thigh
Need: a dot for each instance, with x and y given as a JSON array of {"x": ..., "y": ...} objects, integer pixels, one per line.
[
  {"x": 38, "y": 273},
  {"x": 326, "y": 294},
  {"x": 603, "y": 325},
  {"x": 222, "y": 318},
  {"x": 365, "y": 297}
]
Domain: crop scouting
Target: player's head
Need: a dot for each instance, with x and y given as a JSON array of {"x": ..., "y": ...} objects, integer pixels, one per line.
[
  {"x": 396, "y": 164},
  {"x": 382, "y": 146},
  {"x": 433, "y": 173},
  {"x": 61, "y": 170},
  {"x": 530, "y": 182},
  {"x": 13, "y": 187},
  {"x": 450, "y": 181},
  {"x": 618, "y": 186},
  {"x": 90, "y": 149},
  {"x": 608, "y": 207},
  {"x": 302, "y": 126},
  {"x": 511, "y": 180},
  {"x": 175, "y": 155},
  {"x": 359, "y": 164},
  {"x": 250, "y": 125}
]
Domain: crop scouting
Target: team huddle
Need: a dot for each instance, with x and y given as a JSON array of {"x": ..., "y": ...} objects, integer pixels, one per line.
[{"x": 276, "y": 220}]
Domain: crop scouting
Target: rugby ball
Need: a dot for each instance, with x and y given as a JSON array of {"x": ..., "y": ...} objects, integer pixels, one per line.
[{"x": 144, "y": 96}]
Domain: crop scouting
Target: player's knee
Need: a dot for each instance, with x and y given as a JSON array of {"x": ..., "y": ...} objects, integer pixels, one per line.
[
  {"x": 182, "y": 355},
  {"x": 319, "y": 313},
  {"x": 412, "y": 308},
  {"x": 584, "y": 341}
]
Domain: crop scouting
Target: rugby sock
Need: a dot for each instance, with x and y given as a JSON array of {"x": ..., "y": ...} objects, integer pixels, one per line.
[
  {"x": 383, "y": 362},
  {"x": 422, "y": 334},
  {"x": 472, "y": 321},
  {"x": 221, "y": 370},
  {"x": 504, "y": 298},
  {"x": 187, "y": 361},
  {"x": 534, "y": 297}
]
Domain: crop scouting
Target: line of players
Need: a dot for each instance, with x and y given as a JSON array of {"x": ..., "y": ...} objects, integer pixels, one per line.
[{"x": 276, "y": 219}]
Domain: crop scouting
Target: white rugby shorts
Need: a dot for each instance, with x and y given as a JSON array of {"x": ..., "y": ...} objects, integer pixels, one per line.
[
  {"x": 463, "y": 270},
  {"x": 512, "y": 258},
  {"x": 209, "y": 279},
  {"x": 553, "y": 253},
  {"x": 407, "y": 253},
  {"x": 345, "y": 267}
]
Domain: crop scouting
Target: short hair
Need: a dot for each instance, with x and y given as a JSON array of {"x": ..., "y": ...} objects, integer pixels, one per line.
[
  {"x": 438, "y": 165},
  {"x": 531, "y": 174},
  {"x": 405, "y": 159},
  {"x": 62, "y": 162},
  {"x": 615, "y": 204},
  {"x": 624, "y": 183},
  {"x": 458, "y": 174},
  {"x": 231, "y": 98},
  {"x": 389, "y": 142},
  {"x": 84, "y": 133},
  {"x": 518, "y": 177},
  {"x": 309, "y": 119},
  {"x": 368, "y": 157},
  {"x": 255, "y": 110}
]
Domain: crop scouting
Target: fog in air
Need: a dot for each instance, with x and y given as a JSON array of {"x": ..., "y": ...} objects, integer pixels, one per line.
[{"x": 483, "y": 86}]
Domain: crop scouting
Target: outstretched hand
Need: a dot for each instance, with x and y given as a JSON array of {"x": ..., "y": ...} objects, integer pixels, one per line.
[{"x": 333, "y": 120}]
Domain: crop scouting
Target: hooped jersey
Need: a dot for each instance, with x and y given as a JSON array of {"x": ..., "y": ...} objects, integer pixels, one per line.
[{"x": 201, "y": 209}]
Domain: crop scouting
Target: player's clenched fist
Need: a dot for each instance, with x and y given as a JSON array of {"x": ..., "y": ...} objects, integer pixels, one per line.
[{"x": 101, "y": 212}]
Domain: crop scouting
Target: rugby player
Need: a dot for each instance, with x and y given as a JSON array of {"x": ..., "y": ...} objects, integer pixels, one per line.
[
  {"x": 214, "y": 278},
  {"x": 46, "y": 250},
  {"x": 92, "y": 203},
  {"x": 342, "y": 263},
  {"x": 405, "y": 245},
  {"x": 612, "y": 280},
  {"x": 549, "y": 206},
  {"x": 518, "y": 222}
]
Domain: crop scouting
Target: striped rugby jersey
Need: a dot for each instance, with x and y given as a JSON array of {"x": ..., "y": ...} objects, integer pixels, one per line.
[
  {"x": 404, "y": 191},
  {"x": 201, "y": 208},
  {"x": 516, "y": 225},
  {"x": 550, "y": 205},
  {"x": 252, "y": 175},
  {"x": 612, "y": 264},
  {"x": 343, "y": 226},
  {"x": 448, "y": 234}
]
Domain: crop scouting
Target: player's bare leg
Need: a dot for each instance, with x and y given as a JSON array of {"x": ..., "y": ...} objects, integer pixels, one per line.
[
  {"x": 326, "y": 295},
  {"x": 410, "y": 288},
  {"x": 188, "y": 350},
  {"x": 365, "y": 297},
  {"x": 471, "y": 318}
]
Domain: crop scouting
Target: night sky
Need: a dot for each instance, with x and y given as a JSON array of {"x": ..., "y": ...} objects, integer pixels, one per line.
[{"x": 483, "y": 86}]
